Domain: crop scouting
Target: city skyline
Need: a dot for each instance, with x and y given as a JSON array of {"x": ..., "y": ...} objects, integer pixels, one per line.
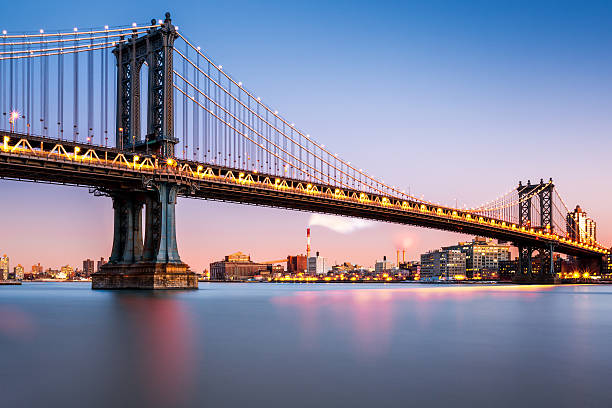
[{"x": 547, "y": 104}]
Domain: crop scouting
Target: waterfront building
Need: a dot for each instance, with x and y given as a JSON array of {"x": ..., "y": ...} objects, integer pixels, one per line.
[
  {"x": 66, "y": 272},
  {"x": 345, "y": 267},
  {"x": 88, "y": 267},
  {"x": 443, "y": 263},
  {"x": 580, "y": 227},
  {"x": 4, "y": 267},
  {"x": 607, "y": 265},
  {"x": 37, "y": 269},
  {"x": 297, "y": 264},
  {"x": 410, "y": 269},
  {"x": 100, "y": 263},
  {"x": 18, "y": 272},
  {"x": 383, "y": 266},
  {"x": 482, "y": 257},
  {"x": 507, "y": 270},
  {"x": 317, "y": 265},
  {"x": 236, "y": 266}
]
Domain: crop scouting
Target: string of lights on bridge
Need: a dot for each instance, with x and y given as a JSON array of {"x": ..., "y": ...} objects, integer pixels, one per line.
[{"x": 222, "y": 122}]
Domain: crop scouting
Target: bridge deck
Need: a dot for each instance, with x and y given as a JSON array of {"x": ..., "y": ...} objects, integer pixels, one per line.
[{"x": 31, "y": 158}]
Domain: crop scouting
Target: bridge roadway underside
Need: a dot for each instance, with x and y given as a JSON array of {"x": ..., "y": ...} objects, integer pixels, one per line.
[{"x": 67, "y": 172}]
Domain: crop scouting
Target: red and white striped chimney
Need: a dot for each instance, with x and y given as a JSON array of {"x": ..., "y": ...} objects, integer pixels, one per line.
[{"x": 307, "y": 242}]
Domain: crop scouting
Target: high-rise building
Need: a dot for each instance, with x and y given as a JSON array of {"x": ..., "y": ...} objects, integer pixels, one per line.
[
  {"x": 88, "y": 267},
  {"x": 297, "y": 264},
  {"x": 317, "y": 265},
  {"x": 482, "y": 257},
  {"x": 580, "y": 227},
  {"x": 18, "y": 272},
  {"x": 4, "y": 267},
  {"x": 100, "y": 263},
  {"x": 443, "y": 263}
]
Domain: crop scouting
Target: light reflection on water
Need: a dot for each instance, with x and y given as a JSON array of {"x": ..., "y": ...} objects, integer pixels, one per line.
[{"x": 306, "y": 345}]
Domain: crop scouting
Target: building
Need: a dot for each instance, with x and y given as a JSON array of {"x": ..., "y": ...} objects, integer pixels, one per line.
[
  {"x": 66, "y": 272},
  {"x": 4, "y": 267},
  {"x": 236, "y": 266},
  {"x": 607, "y": 265},
  {"x": 345, "y": 267},
  {"x": 317, "y": 265},
  {"x": 100, "y": 263},
  {"x": 383, "y": 266},
  {"x": 443, "y": 264},
  {"x": 580, "y": 227},
  {"x": 507, "y": 270},
  {"x": 18, "y": 272},
  {"x": 297, "y": 264},
  {"x": 482, "y": 257},
  {"x": 88, "y": 267},
  {"x": 410, "y": 269},
  {"x": 37, "y": 269}
]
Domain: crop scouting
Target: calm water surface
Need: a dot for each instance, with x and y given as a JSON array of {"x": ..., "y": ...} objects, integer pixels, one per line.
[{"x": 309, "y": 345}]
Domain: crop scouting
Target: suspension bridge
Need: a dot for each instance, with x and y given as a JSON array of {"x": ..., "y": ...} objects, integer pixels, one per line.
[{"x": 159, "y": 119}]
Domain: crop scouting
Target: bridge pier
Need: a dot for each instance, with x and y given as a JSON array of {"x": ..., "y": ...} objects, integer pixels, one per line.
[
  {"x": 154, "y": 263},
  {"x": 545, "y": 272}
]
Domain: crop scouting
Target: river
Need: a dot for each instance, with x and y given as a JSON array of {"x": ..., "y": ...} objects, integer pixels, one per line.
[{"x": 306, "y": 345}]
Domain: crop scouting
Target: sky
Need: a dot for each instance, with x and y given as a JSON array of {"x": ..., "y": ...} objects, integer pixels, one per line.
[{"x": 455, "y": 100}]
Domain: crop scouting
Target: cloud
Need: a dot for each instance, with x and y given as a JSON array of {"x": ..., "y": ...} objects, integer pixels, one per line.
[{"x": 342, "y": 225}]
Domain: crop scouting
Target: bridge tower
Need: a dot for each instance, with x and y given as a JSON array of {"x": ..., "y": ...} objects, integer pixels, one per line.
[
  {"x": 155, "y": 49},
  {"x": 152, "y": 261},
  {"x": 544, "y": 194}
]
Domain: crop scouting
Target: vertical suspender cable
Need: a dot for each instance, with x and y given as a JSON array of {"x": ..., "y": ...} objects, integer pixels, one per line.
[
  {"x": 196, "y": 112},
  {"x": 60, "y": 94},
  {"x": 75, "y": 113},
  {"x": 46, "y": 61},
  {"x": 105, "y": 82},
  {"x": 90, "y": 92},
  {"x": 11, "y": 81},
  {"x": 2, "y": 88},
  {"x": 29, "y": 94},
  {"x": 206, "y": 129},
  {"x": 102, "y": 104},
  {"x": 43, "y": 60},
  {"x": 185, "y": 141},
  {"x": 22, "y": 104}
]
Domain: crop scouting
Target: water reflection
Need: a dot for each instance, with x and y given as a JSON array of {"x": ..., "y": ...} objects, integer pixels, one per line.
[
  {"x": 368, "y": 315},
  {"x": 241, "y": 345},
  {"x": 17, "y": 324},
  {"x": 156, "y": 338}
]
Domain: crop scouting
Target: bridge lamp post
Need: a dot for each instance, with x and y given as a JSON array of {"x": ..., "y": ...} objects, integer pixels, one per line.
[
  {"x": 12, "y": 118},
  {"x": 120, "y": 138}
]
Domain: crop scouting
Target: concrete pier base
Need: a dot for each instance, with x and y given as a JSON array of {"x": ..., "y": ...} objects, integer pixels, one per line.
[
  {"x": 535, "y": 279},
  {"x": 144, "y": 275}
]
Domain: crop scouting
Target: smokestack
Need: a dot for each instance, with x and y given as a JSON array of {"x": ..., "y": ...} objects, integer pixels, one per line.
[
  {"x": 397, "y": 257},
  {"x": 384, "y": 257},
  {"x": 307, "y": 242},
  {"x": 403, "y": 256}
]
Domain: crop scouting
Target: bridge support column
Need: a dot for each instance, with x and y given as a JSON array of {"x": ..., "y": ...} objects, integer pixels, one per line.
[
  {"x": 524, "y": 274},
  {"x": 154, "y": 264}
]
